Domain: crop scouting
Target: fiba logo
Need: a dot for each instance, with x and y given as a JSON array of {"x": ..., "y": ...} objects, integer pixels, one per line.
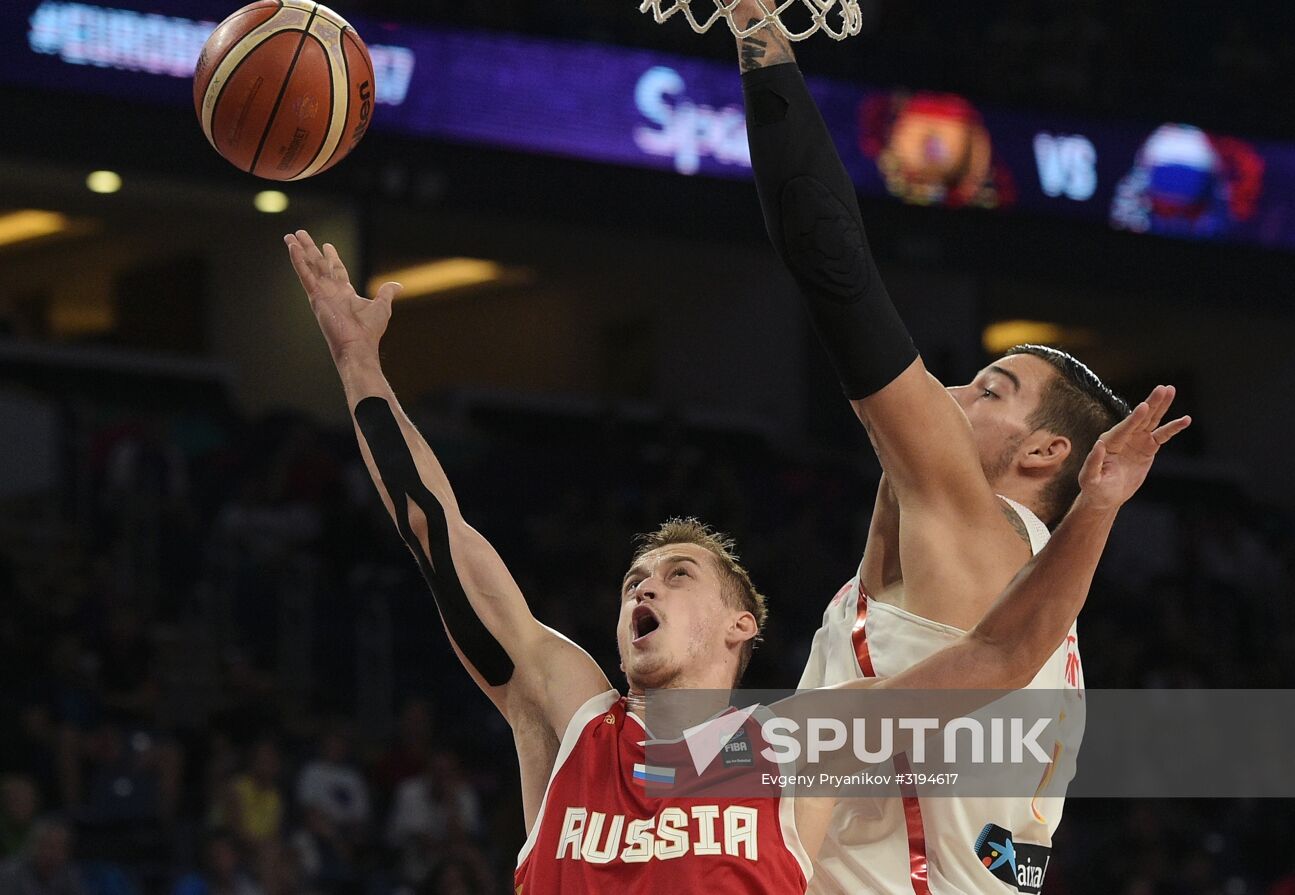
[{"x": 737, "y": 752}]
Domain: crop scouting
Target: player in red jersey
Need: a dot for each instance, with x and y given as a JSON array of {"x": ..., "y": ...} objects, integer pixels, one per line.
[{"x": 688, "y": 619}]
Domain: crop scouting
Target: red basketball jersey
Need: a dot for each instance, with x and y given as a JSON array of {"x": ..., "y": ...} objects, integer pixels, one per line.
[{"x": 600, "y": 831}]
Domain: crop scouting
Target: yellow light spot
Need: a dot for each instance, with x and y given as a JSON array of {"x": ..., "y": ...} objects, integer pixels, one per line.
[
  {"x": 271, "y": 202},
  {"x": 103, "y": 182},
  {"x": 440, "y": 276},
  {"x": 1000, "y": 336},
  {"x": 20, "y": 226}
]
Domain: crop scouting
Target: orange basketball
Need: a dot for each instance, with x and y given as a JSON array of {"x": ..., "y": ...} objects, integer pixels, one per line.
[{"x": 284, "y": 89}]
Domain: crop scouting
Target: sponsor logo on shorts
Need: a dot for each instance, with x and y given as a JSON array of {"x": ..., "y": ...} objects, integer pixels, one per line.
[{"x": 1021, "y": 865}]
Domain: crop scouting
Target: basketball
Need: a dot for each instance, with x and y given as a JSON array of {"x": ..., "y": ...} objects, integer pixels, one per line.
[{"x": 284, "y": 89}]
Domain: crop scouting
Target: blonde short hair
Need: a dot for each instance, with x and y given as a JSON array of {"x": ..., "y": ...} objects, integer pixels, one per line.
[{"x": 738, "y": 591}]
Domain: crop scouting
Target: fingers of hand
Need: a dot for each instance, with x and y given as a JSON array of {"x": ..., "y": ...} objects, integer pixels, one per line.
[
  {"x": 312, "y": 255},
  {"x": 1159, "y": 400},
  {"x": 1093, "y": 465},
  {"x": 305, "y": 239},
  {"x": 334, "y": 262},
  {"x": 296, "y": 254},
  {"x": 1170, "y": 429},
  {"x": 387, "y": 292},
  {"x": 1091, "y": 475},
  {"x": 1119, "y": 434}
]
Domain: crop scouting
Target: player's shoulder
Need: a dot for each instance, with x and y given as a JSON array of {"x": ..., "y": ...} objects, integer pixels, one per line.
[{"x": 1002, "y": 537}]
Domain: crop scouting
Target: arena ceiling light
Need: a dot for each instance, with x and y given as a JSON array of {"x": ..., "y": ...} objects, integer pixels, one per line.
[
  {"x": 1000, "y": 336},
  {"x": 270, "y": 202},
  {"x": 443, "y": 275},
  {"x": 104, "y": 182},
  {"x": 29, "y": 224}
]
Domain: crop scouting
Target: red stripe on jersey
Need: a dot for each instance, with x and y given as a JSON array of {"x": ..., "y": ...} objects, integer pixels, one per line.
[
  {"x": 912, "y": 806},
  {"x": 859, "y": 634},
  {"x": 916, "y": 830}
]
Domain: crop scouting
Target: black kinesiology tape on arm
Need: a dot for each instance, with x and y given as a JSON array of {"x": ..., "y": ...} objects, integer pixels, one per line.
[
  {"x": 813, "y": 219},
  {"x": 400, "y": 477}
]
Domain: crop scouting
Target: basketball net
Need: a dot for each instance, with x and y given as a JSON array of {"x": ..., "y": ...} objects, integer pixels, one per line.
[{"x": 822, "y": 14}]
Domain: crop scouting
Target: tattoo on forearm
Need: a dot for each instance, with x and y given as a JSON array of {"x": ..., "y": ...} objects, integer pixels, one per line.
[
  {"x": 1017, "y": 523},
  {"x": 752, "y": 52},
  {"x": 765, "y": 47}
]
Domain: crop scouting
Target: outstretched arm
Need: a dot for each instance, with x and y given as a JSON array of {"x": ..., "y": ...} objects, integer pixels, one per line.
[
  {"x": 921, "y": 436},
  {"x": 1018, "y": 634},
  {"x": 524, "y": 667},
  {"x": 1022, "y": 629}
]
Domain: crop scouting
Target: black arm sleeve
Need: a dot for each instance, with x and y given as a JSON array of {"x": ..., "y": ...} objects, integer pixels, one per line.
[
  {"x": 812, "y": 216},
  {"x": 399, "y": 473}
]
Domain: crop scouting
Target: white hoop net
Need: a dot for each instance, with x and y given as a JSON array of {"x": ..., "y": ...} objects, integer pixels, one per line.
[{"x": 838, "y": 19}]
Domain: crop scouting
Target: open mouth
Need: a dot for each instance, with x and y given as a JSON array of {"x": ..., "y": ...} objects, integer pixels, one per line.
[{"x": 644, "y": 622}]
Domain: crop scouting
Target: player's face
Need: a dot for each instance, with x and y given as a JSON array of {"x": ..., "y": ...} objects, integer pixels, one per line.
[
  {"x": 673, "y": 618},
  {"x": 999, "y": 403}
]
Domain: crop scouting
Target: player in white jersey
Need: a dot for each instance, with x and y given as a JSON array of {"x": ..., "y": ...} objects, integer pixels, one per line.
[
  {"x": 937, "y": 845},
  {"x": 973, "y": 477}
]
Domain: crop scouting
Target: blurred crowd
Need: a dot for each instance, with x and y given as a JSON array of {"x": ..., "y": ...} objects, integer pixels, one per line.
[
  {"x": 1159, "y": 60},
  {"x": 224, "y": 676}
]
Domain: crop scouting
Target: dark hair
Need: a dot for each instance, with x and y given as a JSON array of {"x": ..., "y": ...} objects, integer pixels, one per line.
[
  {"x": 1078, "y": 405},
  {"x": 738, "y": 591}
]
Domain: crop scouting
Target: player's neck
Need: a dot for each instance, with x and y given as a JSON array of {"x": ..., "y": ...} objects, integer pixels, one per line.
[
  {"x": 669, "y": 714},
  {"x": 1026, "y": 492}
]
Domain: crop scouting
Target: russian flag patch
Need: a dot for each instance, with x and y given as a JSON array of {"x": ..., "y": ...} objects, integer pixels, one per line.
[{"x": 650, "y": 774}]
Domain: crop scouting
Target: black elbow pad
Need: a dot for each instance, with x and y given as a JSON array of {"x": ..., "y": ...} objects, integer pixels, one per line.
[{"x": 823, "y": 244}]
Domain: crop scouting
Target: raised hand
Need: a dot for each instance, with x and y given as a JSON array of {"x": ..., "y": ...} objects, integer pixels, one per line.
[
  {"x": 1118, "y": 464},
  {"x": 350, "y": 323}
]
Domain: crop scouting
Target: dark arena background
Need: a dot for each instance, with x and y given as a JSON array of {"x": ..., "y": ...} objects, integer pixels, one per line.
[{"x": 222, "y": 672}]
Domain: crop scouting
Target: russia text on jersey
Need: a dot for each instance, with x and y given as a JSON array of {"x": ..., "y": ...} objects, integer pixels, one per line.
[{"x": 703, "y": 830}]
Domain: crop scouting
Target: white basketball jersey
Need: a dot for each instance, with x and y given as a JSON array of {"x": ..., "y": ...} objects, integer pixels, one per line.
[{"x": 936, "y": 846}]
